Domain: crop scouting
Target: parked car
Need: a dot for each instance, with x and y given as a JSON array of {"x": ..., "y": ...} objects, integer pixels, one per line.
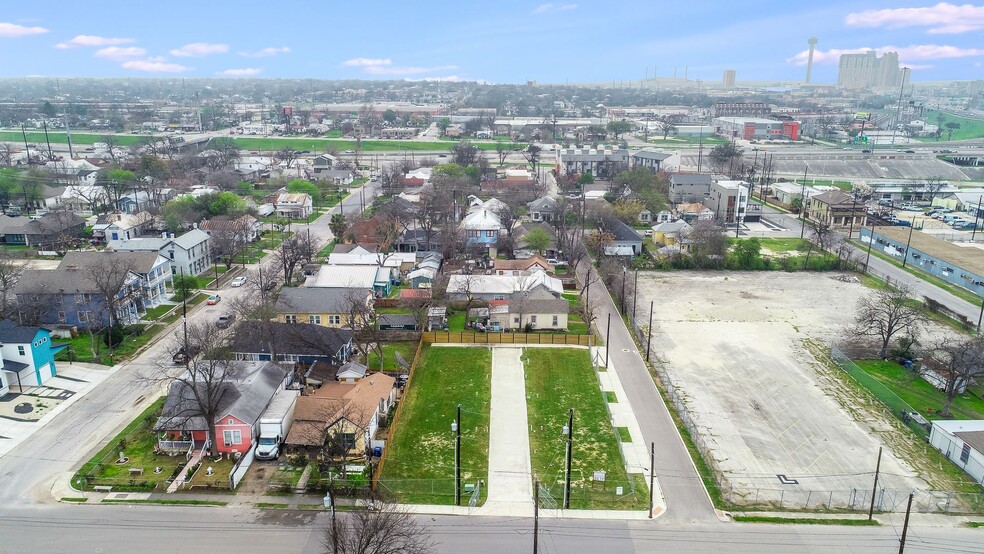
[
  {"x": 238, "y": 282},
  {"x": 225, "y": 320},
  {"x": 213, "y": 300},
  {"x": 181, "y": 357}
]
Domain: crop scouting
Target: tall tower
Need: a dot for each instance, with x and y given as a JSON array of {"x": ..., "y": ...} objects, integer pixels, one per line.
[{"x": 809, "y": 59}]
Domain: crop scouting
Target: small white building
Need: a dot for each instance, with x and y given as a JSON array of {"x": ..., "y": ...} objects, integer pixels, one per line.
[
  {"x": 189, "y": 254},
  {"x": 962, "y": 441},
  {"x": 294, "y": 206}
]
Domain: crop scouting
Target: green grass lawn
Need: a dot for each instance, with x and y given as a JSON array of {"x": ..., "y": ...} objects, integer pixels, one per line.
[
  {"x": 558, "y": 379},
  {"x": 406, "y": 349},
  {"x": 140, "y": 439},
  {"x": 919, "y": 393},
  {"x": 576, "y": 325},
  {"x": 80, "y": 348},
  {"x": 155, "y": 314},
  {"x": 969, "y": 128},
  {"x": 59, "y": 137},
  {"x": 218, "y": 480},
  {"x": 419, "y": 465},
  {"x": 456, "y": 321},
  {"x": 780, "y": 244}
]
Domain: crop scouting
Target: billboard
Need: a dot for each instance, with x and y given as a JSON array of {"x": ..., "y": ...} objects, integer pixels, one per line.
[
  {"x": 288, "y": 111},
  {"x": 862, "y": 115}
]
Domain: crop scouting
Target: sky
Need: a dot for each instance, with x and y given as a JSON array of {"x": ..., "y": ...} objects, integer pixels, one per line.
[{"x": 497, "y": 41}]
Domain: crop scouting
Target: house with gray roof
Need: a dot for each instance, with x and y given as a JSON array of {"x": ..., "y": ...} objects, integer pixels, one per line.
[
  {"x": 650, "y": 158},
  {"x": 627, "y": 242},
  {"x": 189, "y": 254},
  {"x": 246, "y": 391},
  {"x": 74, "y": 292},
  {"x": 690, "y": 187},
  {"x": 329, "y": 307},
  {"x": 542, "y": 209},
  {"x": 48, "y": 231}
]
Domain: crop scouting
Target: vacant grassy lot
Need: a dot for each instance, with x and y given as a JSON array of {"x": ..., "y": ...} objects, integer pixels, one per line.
[
  {"x": 419, "y": 462},
  {"x": 969, "y": 128},
  {"x": 59, "y": 137},
  {"x": 406, "y": 349},
  {"x": 921, "y": 395},
  {"x": 557, "y": 380}
]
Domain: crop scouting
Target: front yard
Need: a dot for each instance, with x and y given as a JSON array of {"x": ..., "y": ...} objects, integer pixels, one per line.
[
  {"x": 557, "y": 380},
  {"x": 419, "y": 461},
  {"x": 80, "y": 348},
  {"x": 137, "y": 442}
]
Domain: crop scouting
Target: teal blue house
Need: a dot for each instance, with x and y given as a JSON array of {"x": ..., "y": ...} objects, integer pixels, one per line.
[{"x": 27, "y": 354}]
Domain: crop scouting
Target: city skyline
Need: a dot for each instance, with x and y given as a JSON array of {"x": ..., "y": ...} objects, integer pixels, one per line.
[{"x": 512, "y": 43}]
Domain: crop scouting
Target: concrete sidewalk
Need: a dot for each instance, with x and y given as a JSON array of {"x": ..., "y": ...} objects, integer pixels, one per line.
[{"x": 510, "y": 474}]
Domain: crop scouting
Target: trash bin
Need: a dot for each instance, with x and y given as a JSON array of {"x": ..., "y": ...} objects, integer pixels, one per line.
[{"x": 377, "y": 451}]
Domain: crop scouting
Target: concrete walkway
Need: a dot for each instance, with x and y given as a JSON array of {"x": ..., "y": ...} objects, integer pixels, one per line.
[{"x": 510, "y": 474}]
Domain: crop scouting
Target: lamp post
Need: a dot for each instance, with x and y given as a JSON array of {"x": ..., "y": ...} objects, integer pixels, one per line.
[
  {"x": 871, "y": 240},
  {"x": 569, "y": 433},
  {"x": 905, "y": 257},
  {"x": 456, "y": 429},
  {"x": 803, "y": 202}
]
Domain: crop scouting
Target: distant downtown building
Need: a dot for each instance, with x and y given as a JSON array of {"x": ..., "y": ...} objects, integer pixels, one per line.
[
  {"x": 729, "y": 78},
  {"x": 859, "y": 71}
]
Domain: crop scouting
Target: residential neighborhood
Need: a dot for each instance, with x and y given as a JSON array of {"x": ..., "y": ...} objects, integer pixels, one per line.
[{"x": 261, "y": 295}]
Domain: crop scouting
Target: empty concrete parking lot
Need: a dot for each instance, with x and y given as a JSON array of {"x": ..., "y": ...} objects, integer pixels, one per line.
[{"x": 738, "y": 347}]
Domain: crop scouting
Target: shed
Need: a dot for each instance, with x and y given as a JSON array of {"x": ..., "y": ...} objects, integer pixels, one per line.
[{"x": 398, "y": 322}]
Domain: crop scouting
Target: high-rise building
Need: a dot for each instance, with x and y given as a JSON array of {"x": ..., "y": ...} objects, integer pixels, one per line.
[
  {"x": 858, "y": 71},
  {"x": 729, "y": 78},
  {"x": 809, "y": 60}
]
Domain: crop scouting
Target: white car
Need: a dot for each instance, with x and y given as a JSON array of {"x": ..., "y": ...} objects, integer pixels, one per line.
[{"x": 238, "y": 282}]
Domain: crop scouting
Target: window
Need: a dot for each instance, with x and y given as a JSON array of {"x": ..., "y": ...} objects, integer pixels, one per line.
[
  {"x": 498, "y": 297},
  {"x": 556, "y": 321},
  {"x": 334, "y": 320},
  {"x": 20, "y": 349},
  {"x": 533, "y": 319},
  {"x": 82, "y": 317},
  {"x": 232, "y": 421},
  {"x": 348, "y": 440},
  {"x": 315, "y": 319},
  {"x": 290, "y": 318},
  {"x": 490, "y": 233},
  {"x": 232, "y": 437},
  {"x": 516, "y": 320},
  {"x": 61, "y": 317},
  {"x": 965, "y": 453}
]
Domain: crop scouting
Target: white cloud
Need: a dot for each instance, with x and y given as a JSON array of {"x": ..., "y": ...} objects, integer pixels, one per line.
[
  {"x": 13, "y": 30},
  {"x": 387, "y": 70},
  {"x": 199, "y": 49},
  {"x": 243, "y": 72},
  {"x": 448, "y": 78},
  {"x": 93, "y": 40},
  {"x": 266, "y": 52},
  {"x": 912, "y": 53},
  {"x": 943, "y": 18},
  {"x": 120, "y": 53},
  {"x": 367, "y": 62},
  {"x": 553, "y": 8},
  {"x": 154, "y": 65}
]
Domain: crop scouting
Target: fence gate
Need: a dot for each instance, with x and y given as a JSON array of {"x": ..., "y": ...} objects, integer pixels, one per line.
[{"x": 239, "y": 470}]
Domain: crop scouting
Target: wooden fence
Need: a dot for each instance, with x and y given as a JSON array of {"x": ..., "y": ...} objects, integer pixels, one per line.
[
  {"x": 396, "y": 415},
  {"x": 468, "y": 337}
]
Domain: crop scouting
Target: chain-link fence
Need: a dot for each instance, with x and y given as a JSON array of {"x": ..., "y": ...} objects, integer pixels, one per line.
[{"x": 433, "y": 491}]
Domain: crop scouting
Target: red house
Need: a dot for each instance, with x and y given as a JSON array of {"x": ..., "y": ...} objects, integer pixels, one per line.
[{"x": 243, "y": 398}]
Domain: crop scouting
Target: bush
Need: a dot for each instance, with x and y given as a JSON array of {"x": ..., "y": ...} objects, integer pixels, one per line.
[
  {"x": 113, "y": 336},
  {"x": 135, "y": 330}
]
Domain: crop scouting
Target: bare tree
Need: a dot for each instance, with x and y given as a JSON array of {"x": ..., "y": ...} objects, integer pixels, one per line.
[
  {"x": 959, "y": 363},
  {"x": 202, "y": 388},
  {"x": 391, "y": 177},
  {"x": 6, "y": 153},
  {"x": 931, "y": 187},
  {"x": 821, "y": 235},
  {"x": 666, "y": 126},
  {"x": 888, "y": 313},
  {"x": 532, "y": 155},
  {"x": 288, "y": 156},
  {"x": 386, "y": 529},
  {"x": 464, "y": 153},
  {"x": 434, "y": 209},
  {"x": 502, "y": 150},
  {"x": 9, "y": 273},
  {"x": 709, "y": 243},
  {"x": 296, "y": 250}
]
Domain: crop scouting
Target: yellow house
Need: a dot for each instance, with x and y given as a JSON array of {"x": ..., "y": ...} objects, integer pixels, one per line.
[
  {"x": 328, "y": 307},
  {"x": 671, "y": 232}
]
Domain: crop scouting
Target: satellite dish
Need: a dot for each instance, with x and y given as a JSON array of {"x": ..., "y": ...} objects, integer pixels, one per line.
[{"x": 403, "y": 363}]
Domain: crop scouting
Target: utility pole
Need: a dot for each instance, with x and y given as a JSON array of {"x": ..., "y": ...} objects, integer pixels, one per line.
[
  {"x": 649, "y": 341},
  {"x": 652, "y": 475},
  {"x": 898, "y": 109},
  {"x": 622, "y": 302},
  {"x": 184, "y": 322},
  {"x": 905, "y": 525},
  {"x": 905, "y": 257},
  {"x": 803, "y": 202},
  {"x": 26, "y": 147},
  {"x": 635, "y": 295},
  {"x": 456, "y": 428},
  {"x": 608, "y": 338},
  {"x": 68, "y": 135},
  {"x": 536, "y": 514},
  {"x": 871, "y": 240},
  {"x": 874, "y": 488},
  {"x": 569, "y": 431},
  {"x": 977, "y": 216},
  {"x": 51, "y": 155}
]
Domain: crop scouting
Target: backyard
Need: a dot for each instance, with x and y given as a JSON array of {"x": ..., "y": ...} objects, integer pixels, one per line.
[
  {"x": 557, "y": 380},
  {"x": 418, "y": 465},
  {"x": 390, "y": 349}
]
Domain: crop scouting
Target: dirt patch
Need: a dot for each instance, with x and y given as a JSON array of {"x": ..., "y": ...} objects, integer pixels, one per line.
[{"x": 739, "y": 347}]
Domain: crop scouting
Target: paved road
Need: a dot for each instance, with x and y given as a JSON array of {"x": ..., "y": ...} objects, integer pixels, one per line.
[
  {"x": 73, "y": 436},
  {"x": 686, "y": 498},
  {"x": 110, "y": 529}
]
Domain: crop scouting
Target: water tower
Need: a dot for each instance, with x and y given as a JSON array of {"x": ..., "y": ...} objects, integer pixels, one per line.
[{"x": 809, "y": 60}]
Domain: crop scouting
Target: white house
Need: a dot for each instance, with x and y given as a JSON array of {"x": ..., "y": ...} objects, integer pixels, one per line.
[
  {"x": 962, "y": 441},
  {"x": 189, "y": 254},
  {"x": 500, "y": 287},
  {"x": 294, "y": 206},
  {"x": 122, "y": 226}
]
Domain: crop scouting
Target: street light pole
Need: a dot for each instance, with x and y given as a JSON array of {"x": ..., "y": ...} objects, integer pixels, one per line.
[
  {"x": 569, "y": 431},
  {"x": 905, "y": 257},
  {"x": 635, "y": 294},
  {"x": 803, "y": 202},
  {"x": 608, "y": 338},
  {"x": 649, "y": 341},
  {"x": 456, "y": 428},
  {"x": 871, "y": 240}
]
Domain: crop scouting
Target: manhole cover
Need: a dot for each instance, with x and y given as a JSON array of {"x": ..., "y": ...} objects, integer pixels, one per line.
[
  {"x": 626, "y": 350},
  {"x": 24, "y": 408}
]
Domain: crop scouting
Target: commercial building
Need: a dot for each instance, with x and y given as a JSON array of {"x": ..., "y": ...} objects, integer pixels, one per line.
[
  {"x": 729, "y": 78},
  {"x": 838, "y": 209},
  {"x": 603, "y": 163},
  {"x": 750, "y": 128},
  {"x": 961, "y": 266},
  {"x": 746, "y": 109},
  {"x": 861, "y": 71}
]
